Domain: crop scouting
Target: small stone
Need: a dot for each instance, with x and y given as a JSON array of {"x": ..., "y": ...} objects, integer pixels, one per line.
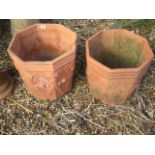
[{"x": 8, "y": 111}]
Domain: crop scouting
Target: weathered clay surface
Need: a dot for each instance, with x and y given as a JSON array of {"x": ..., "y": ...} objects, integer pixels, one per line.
[
  {"x": 44, "y": 55},
  {"x": 116, "y": 62},
  {"x": 6, "y": 85}
]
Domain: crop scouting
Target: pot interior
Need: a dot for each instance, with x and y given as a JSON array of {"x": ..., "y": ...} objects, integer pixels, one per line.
[
  {"x": 39, "y": 52},
  {"x": 117, "y": 50},
  {"x": 43, "y": 45}
]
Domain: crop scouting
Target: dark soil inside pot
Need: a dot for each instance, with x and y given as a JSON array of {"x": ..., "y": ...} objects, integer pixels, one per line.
[{"x": 118, "y": 52}]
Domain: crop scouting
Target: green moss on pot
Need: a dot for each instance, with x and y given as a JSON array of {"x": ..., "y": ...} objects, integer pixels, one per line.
[{"x": 121, "y": 53}]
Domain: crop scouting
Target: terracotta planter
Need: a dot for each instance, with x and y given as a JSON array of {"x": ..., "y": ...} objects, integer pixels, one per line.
[
  {"x": 6, "y": 85},
  {"x": 44, "y": 55},
  {"x": 116, "y": 62},
  {"x": 20, "y": 24}
]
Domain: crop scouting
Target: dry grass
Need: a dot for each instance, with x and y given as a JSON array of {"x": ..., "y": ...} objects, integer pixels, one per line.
[{"x": 76, "y": 112}]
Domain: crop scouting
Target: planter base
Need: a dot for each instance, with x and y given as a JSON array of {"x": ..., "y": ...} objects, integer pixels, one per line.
[{"x": 6, "y": 85}]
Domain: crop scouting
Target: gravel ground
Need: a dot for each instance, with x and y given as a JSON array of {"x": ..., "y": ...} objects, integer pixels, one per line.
[{"x": 78, "y": 112}]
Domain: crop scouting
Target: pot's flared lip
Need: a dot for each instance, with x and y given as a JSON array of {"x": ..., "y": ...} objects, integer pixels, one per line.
[
  {"x": 43, "y": 26},
  {"x": 118, "y": 70},
  {"x": 37, "y": 62}
]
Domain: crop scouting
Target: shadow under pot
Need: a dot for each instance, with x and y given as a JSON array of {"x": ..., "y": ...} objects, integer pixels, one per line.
[
  {"x": 6, "y": 85},
  {"x": 44, "y": 55},
  {"x": 116, "y": 62}
]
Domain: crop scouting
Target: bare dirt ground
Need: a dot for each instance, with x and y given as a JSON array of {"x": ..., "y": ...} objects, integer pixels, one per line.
[{"x": 78, "y": 112}]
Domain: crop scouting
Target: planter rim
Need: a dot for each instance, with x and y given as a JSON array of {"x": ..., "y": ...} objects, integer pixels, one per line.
[
  {"x": 118, "y": 70},
  {"x": 43, "y": 25},
  {"x": 37, "y": 62}
]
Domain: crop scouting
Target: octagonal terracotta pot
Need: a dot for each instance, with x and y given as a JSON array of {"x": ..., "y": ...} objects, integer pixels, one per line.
[
  {"x": 44, "y": 55},
  {"x": 116, "y": 62}
]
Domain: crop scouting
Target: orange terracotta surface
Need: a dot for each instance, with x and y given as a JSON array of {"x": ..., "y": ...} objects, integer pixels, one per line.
[
  {"x": 116, "y": 62},
  {"x": 6, "y": 85},
  {"x": 44, "y": 55}
]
